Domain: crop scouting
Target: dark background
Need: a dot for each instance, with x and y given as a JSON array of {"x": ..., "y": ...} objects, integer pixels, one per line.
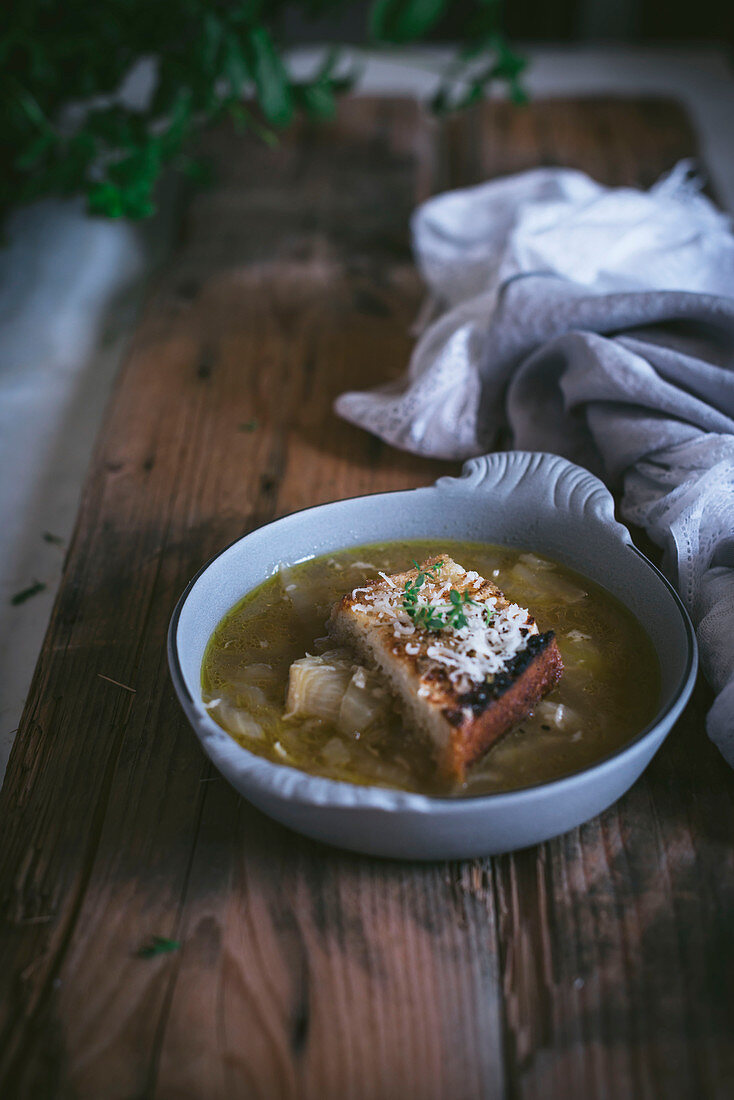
[{"x": 634, "y": 21}]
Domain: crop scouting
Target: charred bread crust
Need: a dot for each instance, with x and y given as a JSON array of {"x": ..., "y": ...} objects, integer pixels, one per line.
[
  {"x": 482, "y": 695},
  {"x": 490, "y": 711}
]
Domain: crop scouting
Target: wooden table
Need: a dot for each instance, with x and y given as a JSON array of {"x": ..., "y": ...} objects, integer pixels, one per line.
[{"x": 597, "y": 965}]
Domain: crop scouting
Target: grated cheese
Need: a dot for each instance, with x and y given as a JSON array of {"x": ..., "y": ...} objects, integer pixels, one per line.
[{"x": 471, "y": 654}]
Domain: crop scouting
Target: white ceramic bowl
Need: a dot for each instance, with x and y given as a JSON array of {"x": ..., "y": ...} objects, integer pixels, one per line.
[{"x": 537, "y": 501}]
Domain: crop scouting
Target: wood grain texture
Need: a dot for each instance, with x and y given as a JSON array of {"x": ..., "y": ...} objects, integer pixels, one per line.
[{"x": 598, "y": 965}]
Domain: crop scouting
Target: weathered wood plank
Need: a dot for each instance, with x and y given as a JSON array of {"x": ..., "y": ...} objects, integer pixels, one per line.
[
  {"x": 623, "y": 980},
  {"x": 141, "y": 841},
  {"x": 596, "y": 966}
]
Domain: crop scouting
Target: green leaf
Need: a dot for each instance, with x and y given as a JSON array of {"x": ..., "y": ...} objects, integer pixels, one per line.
[
  {"x": 158, "y": 945},
  {"x": 439, "y": 102},
  {"x": 106, "y": 199},
  {"x": 317, "y": 100},
  {"x": 327, "y": 66},
  {"x": 198, "y": 169},
  {"x": 179, "y": 124},
  {"x": 235, "y": 65},
  {"x": 211, "y": 40},
  {"x": 271, "y": 79},
  {"x": 34, "y": 151},
  {"x": 518, "y": 94},
  {"x": 464, "y": 86},
  {"x": 245, "y": 120},
  {"x": 26, "y": 593},
  {"x": 404, "y": 20}
]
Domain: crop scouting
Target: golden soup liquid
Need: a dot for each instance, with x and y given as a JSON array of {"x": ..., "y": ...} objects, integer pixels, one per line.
[{"x": 608, "y": 693}]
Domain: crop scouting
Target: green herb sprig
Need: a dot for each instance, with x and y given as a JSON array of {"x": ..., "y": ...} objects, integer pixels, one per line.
[
  {"x": 426, "y": 616},
  {"x": 431, "y": 616},
  {"x": 459, "y": 601},
  {"x": 412, "y": 588}
]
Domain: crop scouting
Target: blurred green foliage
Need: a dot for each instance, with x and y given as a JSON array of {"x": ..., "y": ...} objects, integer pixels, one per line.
[{"x": 65, "y": 130}]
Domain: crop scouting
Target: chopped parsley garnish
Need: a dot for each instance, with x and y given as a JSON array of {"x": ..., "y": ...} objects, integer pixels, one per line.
[
  {"x": 459, "y": 601},
  {"x": 430, "y": 616},
  {"x": 26, "y": 593},
  {"x": 158, "y": 945}
]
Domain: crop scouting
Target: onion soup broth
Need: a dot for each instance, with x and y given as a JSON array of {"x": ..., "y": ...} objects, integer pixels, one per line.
[{"x": 608, "y": 693}]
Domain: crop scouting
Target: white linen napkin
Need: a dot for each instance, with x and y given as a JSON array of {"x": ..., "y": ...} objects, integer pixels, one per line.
[{"x": 597, "y": 323}]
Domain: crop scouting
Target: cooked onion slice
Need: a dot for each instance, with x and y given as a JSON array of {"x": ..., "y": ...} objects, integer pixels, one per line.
[
  {"x": 240, "y": 677},
  {"x": 534, "y": 562},
  {"x": 316, "y": 688},
  {"x": 578, "y": 651},
  {"x": 235, "y": 719},
  {"x": 331, "y": 687},
  {"x": 248, "y": 696},
  {"x": 548, "y": 587},
  {"x": 336, "y": 753},
  {"x": 297, "y": 594},
  {"x": 559, "y": 714},
  {"x": 363, "y": 703}
]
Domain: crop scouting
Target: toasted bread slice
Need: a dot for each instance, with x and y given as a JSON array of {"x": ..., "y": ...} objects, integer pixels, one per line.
[{"x": 465, "y": 667}]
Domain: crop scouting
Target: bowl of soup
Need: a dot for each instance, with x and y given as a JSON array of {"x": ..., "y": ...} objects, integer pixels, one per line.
[{"x": 544, "y": 530}]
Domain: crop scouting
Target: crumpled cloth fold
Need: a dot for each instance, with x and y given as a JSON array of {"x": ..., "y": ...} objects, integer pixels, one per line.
[{"x": 596, "y": 323}]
